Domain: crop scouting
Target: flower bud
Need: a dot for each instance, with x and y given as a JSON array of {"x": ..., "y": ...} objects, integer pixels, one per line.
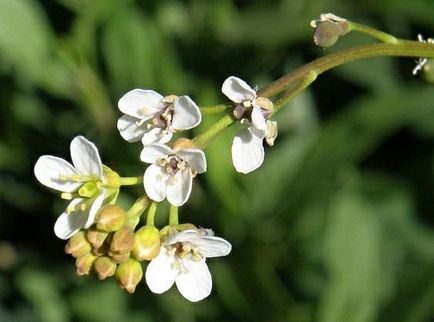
[
  {"x": 104, "y": 267},
  {"x": 96, "y": 237},
  {"x": 85, "y": 263},
  {"x": 101, "y": 250},
  {"x": 78, "y": 245},
  {"x": 119, "y": 258},
  {"x": 111, "y": 218},
  {"x": 428, "y": 70},
  {"x": 147, "y": 243},
  {"x": 183, "y": 143},
  {"x": 327, "y": 33},
  {"x": 129, "y": 275},
  {"x": 122, "y": 241}
]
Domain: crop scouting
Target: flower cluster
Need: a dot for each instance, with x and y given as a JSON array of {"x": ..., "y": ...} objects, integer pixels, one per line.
[{"x": 104, "y": 238}]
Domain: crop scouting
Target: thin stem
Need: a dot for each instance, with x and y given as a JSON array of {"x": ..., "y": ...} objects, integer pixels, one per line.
[
  {"x": 131, "y": 181},
  {"x": 202, "y": 140},
  {"x": 214, "y": 109},
  {"x": 404, "y": 48},
  {"x": 150, "y": 216},
  {"x": 310, "y": 78},
  {"x": 372, "y": 32},
  {"x": 136, "y": 211},
  {"x": 173, "y": 216}
]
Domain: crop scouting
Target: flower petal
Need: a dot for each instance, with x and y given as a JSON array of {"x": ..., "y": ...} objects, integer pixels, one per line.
[
  {"x": 152, "y": 152},
  {"x": 156, "y": 135},
  {"x": 85, "y": 157},
  {"x": 247, "y": 150},
  {"x": 49, "y": 171},
  {"x": 141, "y": 103},
  {"x": 179, "y": 187},
  {"x": 160, "y": 273},
  {"x": 186, "y": 114},
  {"x": 258, "y": 119},
  {"x": 211, "y": 246},
  {"x": 182, "y": 236},
  {"x": 129, "y": 130},
  {"x": 154, "y": 181},
  {"x": 195, "y": 158},
  {"x": 195, "y": 282},
  {"x": 94, "y": 208},
  {"x": 69, "y": 223},
  {"x": 238, "y": 90}
]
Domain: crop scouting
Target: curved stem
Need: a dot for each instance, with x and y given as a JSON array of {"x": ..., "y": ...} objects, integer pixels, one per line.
[
  {"x": 214, "y": 109},
  {"x": 372, "y": 32},
  {"x": 131, "y": 181},
  {"x": 203, "y": 139},
  {"x": 173, "y": 216},
  {"x": 150, "y": 216},
  {"x": 404, "y": 48}
]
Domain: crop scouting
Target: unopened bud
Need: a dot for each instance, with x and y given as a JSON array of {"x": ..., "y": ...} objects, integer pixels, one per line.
[
  {"x": 78, "y": 245},
  {"x": 119, "y": 258},
  {"x": 428, "y": 70},
  {"x": 96, "y": 237},
  {"x": 183, "y": 143},
  {"x": 327, "y": 33},
  {"x": 111, "y": 218},
  {"x": 104, "y": 267},
  {"x": 265, "y": 103},
  {"x": 271, "y": 132},
  {"x": 147, "y": 243},
  {"x": 123, "y": 240},
  {"x": 85, "y": 263},
  {"x": 101, "y": 250},
  {"x": 129, "y": 275}
]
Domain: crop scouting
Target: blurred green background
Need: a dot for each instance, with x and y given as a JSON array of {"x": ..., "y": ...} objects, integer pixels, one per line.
[{"x": 336, "y": 226}]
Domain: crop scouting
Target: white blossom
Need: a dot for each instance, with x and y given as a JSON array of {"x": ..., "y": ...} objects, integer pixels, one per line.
[
  {"x": 247, "y": 147},
  {"x": 171, "y": 171},
  {"x": 182, "y": 260},
  {"x": 85, "y": 182},
  {"x": 153, "y": 118}
]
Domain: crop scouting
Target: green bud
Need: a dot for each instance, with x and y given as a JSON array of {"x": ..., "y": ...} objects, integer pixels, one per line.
[
  {"x": 428, "y": 71},
  {"x": 78, "y": 245},
  {"x": 96, "y": 237},
  {"x": 123, "y": 240},
  {"x": 129, "y": 275},
  {"x": 119, "y": 258},
  {"x": 104, "y": 267},
  {"x": 147, "y": 243},
  {"x": 111, "y": 218},
  {"x": 85, "y": 263}
]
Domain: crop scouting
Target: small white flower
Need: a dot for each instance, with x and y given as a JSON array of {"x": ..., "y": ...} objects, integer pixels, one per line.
[
  {"x": 247, "y": 148},
  {"x": 85, "y": 183},
  {"x": 153, "y": 118},
  {"x": 171, "y": 172},
  {"x": 182, "y": 260}
]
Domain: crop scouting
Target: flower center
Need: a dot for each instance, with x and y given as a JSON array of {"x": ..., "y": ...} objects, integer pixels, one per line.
[
  {"x": 172, "y": 164},
  {"x": 181, "y": 251}
]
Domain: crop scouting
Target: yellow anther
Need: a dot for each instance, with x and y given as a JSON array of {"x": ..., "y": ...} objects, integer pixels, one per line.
[
  {"x": 155, "y": 121},
  {"x": 247, "y": 103},
  {"x": 181, "y": 165},
  {"x": 66, "y": 196},
  {"x": 186, "y": 248},
  {"x": 70, "y": 210},
  {"x": 169, "y": 169},
  {"x": 141, "y": 122},
  {"x": 83, "y": 207},
  {"x": 171, "y": 251},
  {"x": 197, "y": 257}
]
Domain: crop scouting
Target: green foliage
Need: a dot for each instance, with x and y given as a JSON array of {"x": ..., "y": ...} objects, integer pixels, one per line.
[{"x": 336, "y": 226}]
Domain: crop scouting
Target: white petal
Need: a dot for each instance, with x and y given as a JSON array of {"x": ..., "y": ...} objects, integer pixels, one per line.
[
  {"x": 238, "y": 90},
  {"x": 195, "y": 284},
  {"x": 85, "y": 157},
  {"x": 140, "y": 103},
  {"x": 182, "y": 236},
  {"x": 69, "y": 223},
  {"x": 195, "y": 158},
  {"x": 129, "y": 130},
  {"x": 186, "y": 114},
  {"x": 156, "y": 135},
  {"x": 258, "y": 119},
  {"x": 96, "y": 205},
  {"x": 160, "y": 273},
  {"x": 152, "y": 152},
  {"x": 179, "y": 187},
  {"x": 247, "y": 150},
  {"x": 49, "y": 170},
  {"x": 211, "y": 246},
  {"x": 154, "y": 181}
]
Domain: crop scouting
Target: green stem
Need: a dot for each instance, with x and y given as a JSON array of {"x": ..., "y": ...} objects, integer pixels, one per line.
[
  {"x": 372, "y": 32},
  {"x": 310, "y": 78},
  {"x": 136, "y": 211},
  {"x": 173, "y": 216},
  {"x": 203, "y": 139},
  {"x": 131, "y": 181},
  {"x": 150, "y": 216},
  {"x": 405, "y": 48},
  {"x": 214, "y": 109}
]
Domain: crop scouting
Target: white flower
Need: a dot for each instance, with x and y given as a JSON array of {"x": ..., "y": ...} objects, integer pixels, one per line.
[
  {"x": 247, "y": 148},
  {"x": 85, "y": 183},
  {"x": 171, "y": 172},
  {"x": 182, "y": 261},
  {"x": 153, "y": 118}
]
